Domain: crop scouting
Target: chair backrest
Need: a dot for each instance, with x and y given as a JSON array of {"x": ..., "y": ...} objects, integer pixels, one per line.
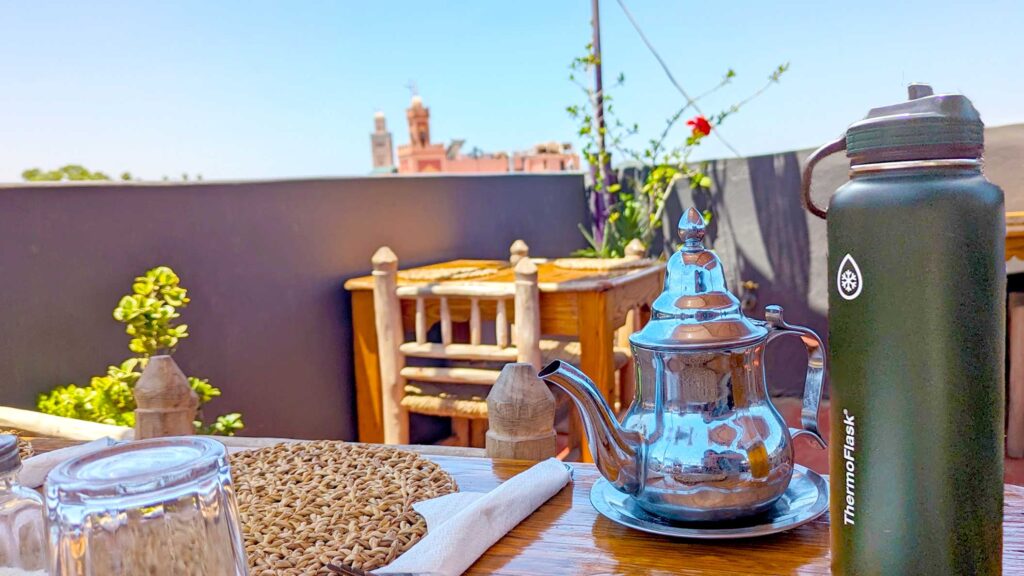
[
  {"x": 516, "y": 337},
  {"x": 517, "y": 341}
]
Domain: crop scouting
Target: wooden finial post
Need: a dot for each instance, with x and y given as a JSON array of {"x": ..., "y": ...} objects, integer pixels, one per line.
[
  {"x": 635, "y": 249},
  {"x": 521, "y": 416},
  {"x": 166, "y": 404},
  {"x": 388, "y": 315},
  {"x": 527, "y": 314},
  {"x": 517, "y": 252}
]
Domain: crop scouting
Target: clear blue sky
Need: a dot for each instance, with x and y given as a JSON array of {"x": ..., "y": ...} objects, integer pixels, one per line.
[{"x": 287, "y": 89}]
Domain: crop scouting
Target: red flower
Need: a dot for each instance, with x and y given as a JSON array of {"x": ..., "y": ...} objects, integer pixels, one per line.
[{"x": 700, "y": 125}]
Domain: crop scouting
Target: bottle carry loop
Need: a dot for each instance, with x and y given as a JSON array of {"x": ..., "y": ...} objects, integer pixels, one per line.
[{"x": 805, "y": 181}]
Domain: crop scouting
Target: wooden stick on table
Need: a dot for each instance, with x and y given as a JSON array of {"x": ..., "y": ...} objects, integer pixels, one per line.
[
  {"x": 166, "y": 403},
  {"x": 521, "y": 411}
]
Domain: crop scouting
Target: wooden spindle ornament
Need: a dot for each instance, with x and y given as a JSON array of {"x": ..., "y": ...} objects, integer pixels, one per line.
[
  {"x": 446, "y": 322},
  {"x": 474, "y": 322},
  {"x": 527, "y": 327},
  {"x": 501, "y": 325},
  {"x": 517, "y": 252},
  {"x": 166, "y": 404},
  {"x": 521, "y": 416},
  {"x": 635, "y": 250},
  {"x": 421, "y": 321},
  {"x": 388, "y": 316}
]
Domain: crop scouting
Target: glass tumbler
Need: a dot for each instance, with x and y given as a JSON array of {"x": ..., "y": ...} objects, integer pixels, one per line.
[
  {"x": 161, "y": 507},
  {"x": 22, "y": 531}
]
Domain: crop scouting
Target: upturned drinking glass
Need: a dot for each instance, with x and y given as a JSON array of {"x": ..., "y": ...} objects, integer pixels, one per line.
[
  {"x": 161, "y": 507},
  {"x": 22, "y": 531}
]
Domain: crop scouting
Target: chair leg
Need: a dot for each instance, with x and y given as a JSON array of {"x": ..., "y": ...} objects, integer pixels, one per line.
[
  {"x": 478, "y": 433},
  {"x": 577, "y": 434},
  {"x": 1015, "y": 358},
  {"x": 626, "y": 387},
  {"x": 460, "y": 430}
]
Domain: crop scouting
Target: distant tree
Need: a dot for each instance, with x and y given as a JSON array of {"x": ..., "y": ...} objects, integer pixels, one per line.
[
  {"x": 79, "y": 172},
  {"x": 67, "y": 172}
]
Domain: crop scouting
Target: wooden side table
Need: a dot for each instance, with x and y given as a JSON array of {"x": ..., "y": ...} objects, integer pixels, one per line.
[{"x": 586, "y": 305}]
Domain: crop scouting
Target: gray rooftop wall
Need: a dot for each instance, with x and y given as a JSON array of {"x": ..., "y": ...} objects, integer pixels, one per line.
[{"x": 264, "y": 263}]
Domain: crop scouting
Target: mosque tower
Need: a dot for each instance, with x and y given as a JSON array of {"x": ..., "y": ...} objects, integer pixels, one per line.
[{"x": 381, "y": 146}]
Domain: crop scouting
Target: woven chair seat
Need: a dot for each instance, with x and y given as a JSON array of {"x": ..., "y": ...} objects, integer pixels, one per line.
[
  {"x": 450, "y": 400},
  {"x": 570, "y": 351},
  {"x": 461, "y": 400}
]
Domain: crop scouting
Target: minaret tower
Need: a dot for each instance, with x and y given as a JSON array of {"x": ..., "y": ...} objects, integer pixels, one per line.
[
  {"x": 419, "y": 123},
  {"x": 381, "y": 146}
]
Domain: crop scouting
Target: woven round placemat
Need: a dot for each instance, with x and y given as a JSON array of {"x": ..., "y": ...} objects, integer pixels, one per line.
[
  {"x": 439, "y": 274},
  {"x": 24, "y": 447},
  {"x": 603, "y": 264},
  {"x": 309, "y": 504}
]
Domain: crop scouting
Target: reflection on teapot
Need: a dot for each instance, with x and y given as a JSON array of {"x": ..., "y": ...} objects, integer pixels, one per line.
[{"x": 701, "y": 440}]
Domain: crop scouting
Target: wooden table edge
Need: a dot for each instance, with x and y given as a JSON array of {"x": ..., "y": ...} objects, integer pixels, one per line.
[{"x": 601, "y": 284}]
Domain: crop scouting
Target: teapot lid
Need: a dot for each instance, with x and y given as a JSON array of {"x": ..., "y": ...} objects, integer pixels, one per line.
[{"x": 696, "y": 309}]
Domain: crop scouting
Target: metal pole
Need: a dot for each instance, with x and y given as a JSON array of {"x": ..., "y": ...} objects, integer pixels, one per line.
[
  {"x": 600, "y": 208},
  {"x": 598, "y": 83}
]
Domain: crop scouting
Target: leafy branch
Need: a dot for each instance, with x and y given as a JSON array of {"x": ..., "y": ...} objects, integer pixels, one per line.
[{"x": 665, "y": 160}]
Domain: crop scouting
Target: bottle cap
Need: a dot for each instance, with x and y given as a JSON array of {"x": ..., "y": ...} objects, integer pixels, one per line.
[
  {"x": 9, "y": 457},
  {"x": 927, "y": 126}
]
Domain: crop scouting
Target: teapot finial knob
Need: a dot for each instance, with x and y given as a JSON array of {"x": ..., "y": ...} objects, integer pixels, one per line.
[{"x": 691, "y": 230}]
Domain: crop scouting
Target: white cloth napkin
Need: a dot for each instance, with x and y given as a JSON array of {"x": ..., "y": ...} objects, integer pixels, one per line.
[{"x": 463, "y": 525}]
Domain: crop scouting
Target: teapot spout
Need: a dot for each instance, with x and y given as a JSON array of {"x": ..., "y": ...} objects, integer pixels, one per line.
[{"x": 615, "y": 449}]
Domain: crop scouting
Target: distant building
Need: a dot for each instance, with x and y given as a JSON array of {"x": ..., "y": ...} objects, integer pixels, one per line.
[
  {"x": 381, "y": 146},
  {"x": 422, "y": 155},
  {"x": 549, "y": 157}
]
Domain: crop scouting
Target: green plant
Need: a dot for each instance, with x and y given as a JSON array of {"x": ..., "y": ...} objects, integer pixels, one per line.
[
  {"x": 636, "y": 205},
  {"x": 148, "y": 314}
]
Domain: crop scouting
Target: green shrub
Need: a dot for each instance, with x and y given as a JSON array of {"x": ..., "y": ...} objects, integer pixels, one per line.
[{"x": 148, "y": 314}]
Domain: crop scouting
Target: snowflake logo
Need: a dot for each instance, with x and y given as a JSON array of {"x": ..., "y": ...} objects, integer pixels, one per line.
[{"x": 848, "y": 280}]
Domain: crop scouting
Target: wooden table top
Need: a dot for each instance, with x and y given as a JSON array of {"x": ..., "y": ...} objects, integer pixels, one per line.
[
  {"x": 550, "y": 276},
  {"x": 566, "y": 536}
]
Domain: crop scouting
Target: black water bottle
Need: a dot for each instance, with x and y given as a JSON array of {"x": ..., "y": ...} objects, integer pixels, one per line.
[{"x": 917, "y": 287}]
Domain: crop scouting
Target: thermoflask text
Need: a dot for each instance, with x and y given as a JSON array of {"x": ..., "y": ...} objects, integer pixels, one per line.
[{"x": 917, "y": 289}]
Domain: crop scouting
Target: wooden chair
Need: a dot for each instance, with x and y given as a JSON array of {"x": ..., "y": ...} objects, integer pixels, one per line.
[{"x": 453, "y": 390}]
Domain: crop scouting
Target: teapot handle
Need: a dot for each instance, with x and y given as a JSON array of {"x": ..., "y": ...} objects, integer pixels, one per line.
[{"x": 815, "y": 371}]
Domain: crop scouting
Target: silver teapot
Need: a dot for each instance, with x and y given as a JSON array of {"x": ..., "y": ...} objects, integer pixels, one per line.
[{"x": 701, "y": 440}]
